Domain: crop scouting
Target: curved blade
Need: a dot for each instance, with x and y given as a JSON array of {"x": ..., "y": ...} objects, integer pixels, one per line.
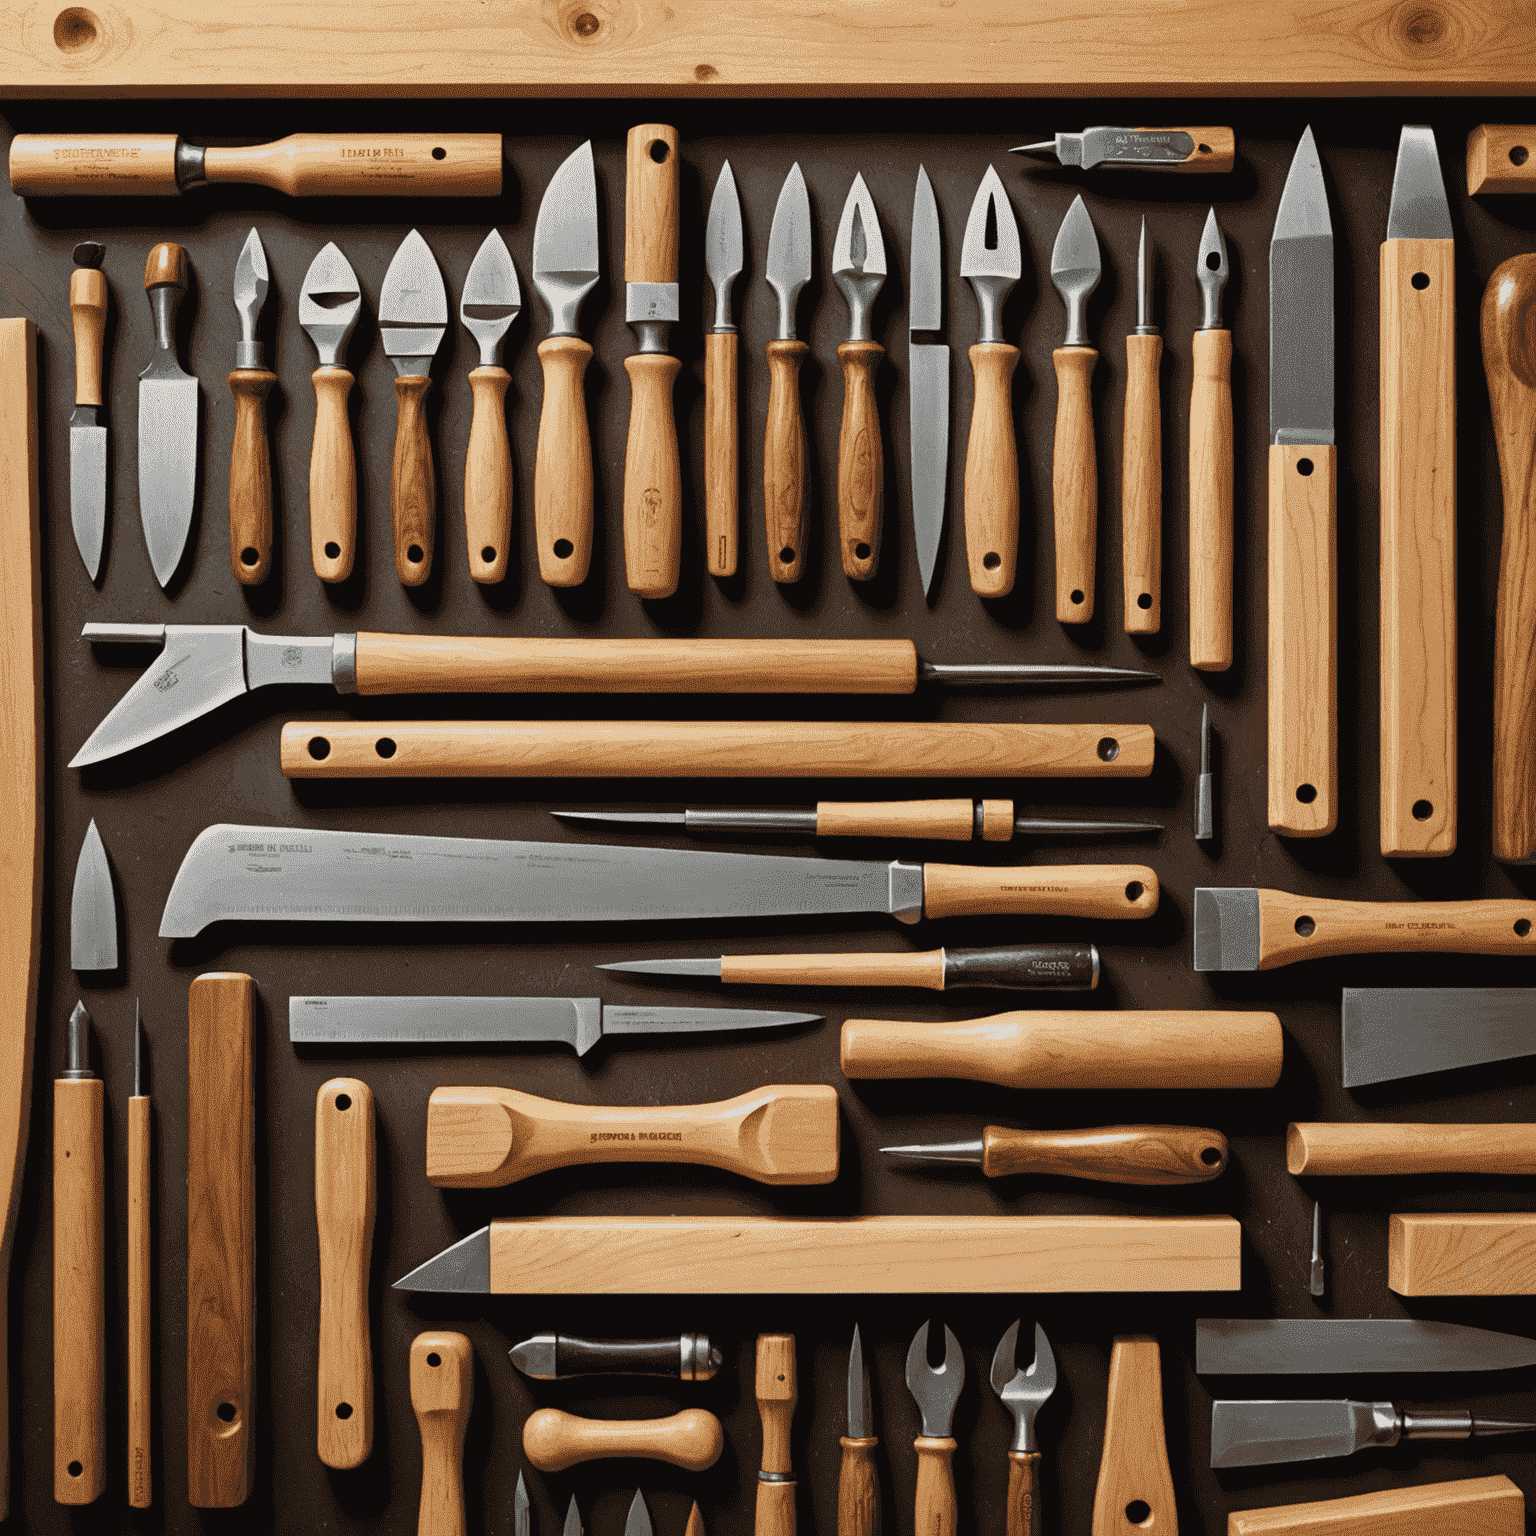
[
  {"x": 1301, "y": 306},
  {"x": 1418, "y": 210},
  {"x": 329, "y": 303},
  {"x": 1001, "y": 258},
  {"x": 859, "y": 246},
  {"x": 413, "y": 304},
  {"x": 789, "y": 248},
  {"x": 565, "y": 257},
  {"x": 92, "y": 910}
]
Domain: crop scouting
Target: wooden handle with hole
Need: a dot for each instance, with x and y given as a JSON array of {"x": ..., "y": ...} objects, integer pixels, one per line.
[
  {"x": 488, "y": 478},
  {"x": 442, "y": 1393},
  {"x": 1075, "y": 484},
  {"x": 1134, "y": 1466},
  {"x": 88, "y": 315},
  {"x": 1111, "y": 1154},
  {"x": 141, "y": 1314},
  {"x": 1023, "y": 1493},
  {"x": 1055, "y": 890},
  {"x": 250, "y": 478},
  {"x": 858, "y": 1494},
  {"x": 860, "y": 461},
  {"x": 777, "y": 1386},
  {"x": 1367, "y": 1149},
  {"x": 554, "y": 1440},
  {"x": 937, "y": 1513},
  {"x": 784, "y": 454},
  {"x": 1499, "y": 158},
  {"x": 722, "y": 471},
  {"x": 1141, "y": 487},
  {"x": 1215, "y": 150},
  {"x": 1210, "y": 502},
  {"x": 412, "y": 482},
  {"x": 562, "y": 472},
  {"x": 344, "y": 1211},
  {"x": 653, "y": 480},
  {"x": 1303, "y": 642},
  {"x": 992, "y": 473},
  {"x": 952, "y": 821},
  {"x": 332, "y": 478},
  {"x": 79, "y": 1291}
]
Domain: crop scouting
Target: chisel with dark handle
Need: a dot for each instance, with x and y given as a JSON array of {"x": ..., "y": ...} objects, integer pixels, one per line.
[
  {"x": 691, "y": 1438},
  {"x": 559, "y": 1357},
  {"x": 442, "y": 1392},
  {"x": 778, "y": 1389}
]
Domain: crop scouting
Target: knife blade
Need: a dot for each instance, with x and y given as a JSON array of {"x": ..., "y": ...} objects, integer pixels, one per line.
[
  {"x": 329, "y": 302},
  {"x": 92, "y": 908},
  {"x": 723, "y": 262},
  {"x": 927, "y": 382},
  {"x": 490, "y": 302},
  {"x": 572, "y": 1519},
  {"x": 1325, "y": 1346},
  {"x": 1393, "y": 1032},
  {"x": 522, "y": 1518},
  {"x": 1210, "y": 464},
  {"x": 858, "y": 1494},
  {"x": 250, "y": 459},
  {"x": 168, "y": 406},
  {"x": 784, "y": 478},
  {"x": 87, "y": 433},
  {"x": 1303, "y": 602},
  {"x": 638, "y": 1521}
]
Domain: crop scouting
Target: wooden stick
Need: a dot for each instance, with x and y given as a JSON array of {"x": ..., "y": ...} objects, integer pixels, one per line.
[
  {"x": 332, "y": 478},
  {"x": 1141, "y": 487},
  {"x": 1350, "y": 1151},
  {"x": 1210, "y": 502},
  {"x": 140, "y": 1306},
  {"x": 1075, "y": 484},
  {"x": 992, "y": 473},
  {"x": 554, "y": 1440},
  {"x": 250, "y": 478},
  {"x": 1134, "y": 1467},
  {"x": 442, "y": 1393},
  {"x": 1451, "y": 1254},
  {"x": 777, "y": 1388},
  {"x": 722, "y": 472},
  {"x": 1470, "y": 1506}
]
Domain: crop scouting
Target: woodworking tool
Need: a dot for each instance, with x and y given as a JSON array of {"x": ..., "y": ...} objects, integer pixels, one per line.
[
  {"x": 1479, "y": 1506},
  {"x": 522, "y": 1515},
  {"x": 572, "y": 1519},
  {"x": 1205, "y": 786},
  {"x": 723, "y": 263},
  {"x": 935, "y": 1390},
  {"x": 1393, "y": 1032},
  {"x": 442, "y": 1393},
  {"x": 87, "y": 431},
  {"x": 168, "y": 404},
  {"x": 1166, "y": 149},
  {"x": 638, "y": 1521},
  {"x": 554, "y": 1440},
  {"x": 1316, "y": 1281},
  {"x": 1210, "y": 464},
  {"x": 141, "y": 1305},
  {"x": 1110, "y": 1154},
  {"x": 1325, "y": 1346},
  {"x": 93, "y": 908},
  {"x": 777, "y": 1387},
  {"x": 784, "y": 450},
  {"x": 490, "y": 302},
  {"x": 858, "y": 1491},
  {"x": 1366, "y": 1148},
  {"x": 558, "y": 1357},
  {"x": 927, "y": 381},
  {"x": 1141, "y": 461},
  {"x": 1133, "y": 1469},
  {"x": 1023, "y": 1391},
  {"x": 329, "y": 303},
  {"x": 250, "y": 456}
]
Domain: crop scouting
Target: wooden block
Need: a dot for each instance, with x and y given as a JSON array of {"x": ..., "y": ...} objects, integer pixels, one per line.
[
  {"x": 1501, "y": 157},
  {"x": 1474, "y": 1506},
  {"x": 1449, "y": 1254}
]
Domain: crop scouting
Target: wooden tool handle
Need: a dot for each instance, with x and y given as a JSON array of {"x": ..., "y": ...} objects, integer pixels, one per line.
[
  {"x": 784, "y": 461},
  {"x": 79, "y": 1292},
  {"x": 1111, "y": 1154},
  {"x": 1210, "y": 502},
  {"x": 722, "y": 472},
  {"x": 488, "y": 478},
  {"x": 412, "y": 482},
  {"x": 1134, "y": 1468},
  {"x": 877, "y": 970},
  {"x": 94, "y": 165},
  {"x": 937, "y": 1513},
  {"x": 651, "y": 204},
  {"x": 1075, "y": 484},
  {"x": 1499, "y": 158},
  {"x": 166, "y": 267},
  {"x": 366, "y": 164},
  {"x": 653, "y": 481},
  {"x": 140, "y": 1307},
  {"x": 250, "y": 478},
  {"x": 1366, "y": 1149},
  {"x": 344, "y": 1210},
  {"x": 88, "y": 312},
  {"x": 1141, "y": 487},
  {"x": 1060, "y": 890},
  {"x": 332, "y": 478},
  {"x": 992, "y": 473},
  {"x": 1469, "y": 1506},
  {"x": 1023, "y": 1493},
  {"x": 554, "y": 1440},
  {"x": 1418, "y": 548},
  {"x": 858, "y": 1496},
  {"x": 1215, "y": 150},
  {"x": 777, "y": 1386},
  {"x": 947, "y": 820},
  {"x": 1303, "y": 643},
  {"x": 775, "y": 1511},
  {"x": 1044, "y": 1048},
  {"x": 221, "y": 1224},
  {"x": 479, "y": 1138},
  {"x": 860, "y": 461},
  {"x": 442, "y": 1393},
  {"x": 562, "y": 473}
]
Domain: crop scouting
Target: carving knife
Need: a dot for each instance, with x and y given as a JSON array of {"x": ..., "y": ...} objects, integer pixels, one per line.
[
  {"x": 93, "y": 909},
  {"x": 1303, "y": 600},
  {"x": 1327, "y": 1346},
  {"x": 87, "y": 432},
  {"x": 1164, "y": 149},
  {"x": 723, "y": 261},
  {"x": 413, "y": 318},
  {"x": 858, "y": 1492},
  {"x": 1141, "y": 480},
  {"x": 927, "y": 382},
  {"x": 1393, "y": 1032},
  {"x": 573, "y": 1525},
  {"x": 558, "y": 1357},
  {"x": 565, "y": 271},
  {"x": 250, "y": 458},
  {"x": 1210, "y": 465},
  {"x": 1109, "y": 1154},
  {"x": 329, "y": 302},
  {"x": 522, "y": 1513},
  {"x": 638, "y": 1521},
  {"x": 168, "y": 400},
  {"x": 784, "y": 488}
]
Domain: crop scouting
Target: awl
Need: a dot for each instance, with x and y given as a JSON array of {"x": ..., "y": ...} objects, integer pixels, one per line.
[
  {"x": 1166, "y": 149},
  {"x": 250, "y": 457},
  {"x": 1395, "y": 1032},
  {"x": 784, "y": 478},
  {"x": 1210, "y": 464},
  {"x": 490, "y": 302},
  {"x": 329, "y": 302},
  {"x": 559, "y": 1357},
  {"x": 1325, "y": 1346},
  {"x": 1141, "y": 476},
  {"x": 723, "y": 263},
  {"x": 168, "y": 397},
  {"x": 1108, "y": 1154},
  {"x": 927, "y": 382},
  {"x": 87, "y": 431}
]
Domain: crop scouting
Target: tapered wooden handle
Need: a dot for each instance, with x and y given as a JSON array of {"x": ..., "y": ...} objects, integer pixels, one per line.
[
  {"x": 88, "y": 312},
  {"x": 442, "y": 1393},
  {"x": 1418, "y": 548},
  {"x": 1047, "y": 1048},
  {"x": 947, "y": 820},
  {"x": 775, "y": 1511},
  {"x": 1141, "y": 487},
  {"x": 554, "y": 1440},
  {"x": 1023, "y": 1493},
  {"x": 1210, "y": 502},
  {"x": 858, "y": 1496},
  {"x": 1134, "y": 1467},
  {"x": 488, "y": 478},
  {"x": 784, "y": 489},
  {"x": 653, "y": 482},
  {"x": 141, "y": 1314},
  {"x": 992, "y": 473},
  {"x": 860, "y": 461},
  {"x": 366, "y": 164},
  {"x": 1468, "y": 1506},
  {"x": 831, "y": 970},
  {"x": 332, "y": 478},
  {"x": 776, "y": 1382},
  {"x": 1353, "y": 1150},
  {"x": 79, "y": 1292},
  {"x": 1075, "y": 484},
  {"x": 344, "y": 1211},
  {"x": 480, "y": 1138},
  {"x": 1112, "y": 1154},
  {"x": 722, "y": 471},
  {"x": 94, "y": 165},
  {"x": 562, "y": 472},
  {"x": 250, "y": 478},
  {"x": 937, "y": 1513},
  {"x": 1060, "y": 890},
  {"x": 412, "y": 482}
]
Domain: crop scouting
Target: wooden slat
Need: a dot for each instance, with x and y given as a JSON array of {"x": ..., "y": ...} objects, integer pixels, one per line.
[
  {"x": 1450, "y": 1254},
  {"x": 1473, "y": 1506}
]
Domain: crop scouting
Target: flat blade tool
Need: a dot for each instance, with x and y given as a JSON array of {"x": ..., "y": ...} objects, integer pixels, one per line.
[
  {"x": 87, "y": 431},
  {"x": 927, "y": 382},
  {"x": 329, "y": 303},
  {"x": 784, "y": 475},
  {"x": 1210, "y": 464},
  {"x": 250, "y": 459},
  {"x": 1396, "y": 1032},
  {"x": 935, "y": 1390},
  {"x": 168, "y": 406},
  {"x": 858, "y": 1491},
  {"x": 1109, "y": 1154},
  {"x": 93, "y": 908},
  {"x": 1141, "y": 477},
  {"x": 777, "y": 1386},
  {"x": 723, "y": 263},
  {"x": 1354, "y": 1346},
  {"x": 1153, "y": 149},
  {"x": 559, "y": 1357},
  {"x": 573, "y": 1525},
  {"x": 1023, "y": 1391}
]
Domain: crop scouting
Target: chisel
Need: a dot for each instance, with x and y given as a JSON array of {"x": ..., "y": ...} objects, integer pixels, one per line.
[
  {"x": 723, "y": 263},
  {"x": 1393, "y": 1032},
  {"x": 1210, "y": 465},
  {"x": 1141, "y": 479},
  {"x": 554, "y": 1440},
  {"x": 1375, "y": 1148},
  {"x": 1155, "y": 149},
  {"x": 557, "y": 1357},
  {"x": 1133, "y": 1469},
  {"x": 140, "y": 1284},
  {"x": 777, "y": 1389},
  {"x": 442, "y": 1394},
  {"x": 788, "y": 270},
  {"x": 250, "y": 455},
  {"x": 1326, "y": 1346},
  {"x": 1109, "y": 1154},
  {"x": 87, "y": 432},
  {"x": 858, "y": 1491}
]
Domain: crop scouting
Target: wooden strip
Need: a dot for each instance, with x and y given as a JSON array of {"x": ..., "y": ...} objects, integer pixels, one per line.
[
  {"x": 1500, "y": 158},
  {"x": 1352, "y": 1150},
  {"x": 1473, "y": 1506},
  {"x": 1454, "y": 1254},
  {"x": 606, "y": 1255},
  {"x": 141, "y": 1479}
]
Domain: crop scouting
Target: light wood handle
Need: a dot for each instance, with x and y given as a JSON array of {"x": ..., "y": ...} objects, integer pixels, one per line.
[
  {"x": 1134, "y": 1466},
  {"x": 951, "y": 821},
  {"x": 1023, "y": 1493},
  {"x": 166, "y": 267},
  {"x": 488, "y": 478},
  {"x": 653, "y": 481},
  {"x": 1058, "y": 890},
  {"x": 860, "y": 461},
  {"x": 722, "y": 471},
  {"x": 1141, "y": 487},
  {"x": 651, "y": 162},
  {"x": 858, "y": 1495},
  {"x": 221, "y": 1228},
  {"x": 784, "y": 461},
  {"x": 366, "y": 164},
  {"x": 830, "y": 970},
  {"x": 332, "y": 478},
  {"x": 1351, "y": 1150},
  {"x": 1469, "y": 1506},
  {"x": 1075, "y": 484},
  {"x": 1215, "y": 150},
  {"x": 1049, "y": 1048},
  {"x": 1210, "y": 502},
  {"x": 775, "y": 1511},
  {"x": 776, "y": 1383},
  {"x": 481, "y": 1138},
  {"x": 937, "y": 1513},
  {"x": 992, "y": 473},
  {"x": 140, "y": 1307},
  {"x": 94, "y": 165},
  {"x": 562, "y": 472},
  {"x": 88, "y": 312},
  {"x": 344, "y": 1211},
  {"x": 1418, "y": 548},
  {"x": 1499, "y": 158},
  {"x": 79, "y": 1292},
  {"x": 250, "y": 478},
  {"x": 554, "y": 1440},
  {"x": 412, "y": 482},
  {"x": 442, "y": 1393},
  {"x": 1111, "y": 1154}
]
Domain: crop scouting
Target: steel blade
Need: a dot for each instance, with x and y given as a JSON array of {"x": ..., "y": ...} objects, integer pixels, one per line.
[
  {"x": 1211, "y": 269},
  {"x": 859, "y": 246},
  {"x": 1256, "y": 1434},
  {"x": 925, "y": 296},
  {"x": 413, "y": 303},
  {"x": 627, "y": 818},
  {"x": 1419, "y": 210},
  {"x": 92, "y": 909},
  {"x": 631, "y": 1020},
  {"x": 789, "y": 248},
  {"x": 572, "y": 1519},
  {"x": 1002, "y": 257},
  {"x": 522, "y": 1521},
  {"x": 1301, "y": 306},
  {"x": 709, "y": 968},
  {"x": 927, "y": 384},
  {"x": 168, "y": 409},
  {"x": 1226, "y": 928},
  {"x": 329, "y": 303},
  {"x": 573, "y": 1021},
  {"x": 638, "y": 1522},
  {"x": 1393, "y": 1032},
  {"x": 251, "y": 283},
  {"x": 1075, "y": 259},
  {"x": 465, "y": 1267},
  {"x": 565, "y": 257},
  {"x": 1268, "y": 1346},
  {"x": 723, "y": 257},
  {"x": 88, "y": 486},
  {"x": 491, "y": 299},
  {"x": 860, "y": 1412}
]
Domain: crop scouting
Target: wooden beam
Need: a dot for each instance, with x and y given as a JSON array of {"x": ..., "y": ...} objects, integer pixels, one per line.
[
  {"x": 1473, "y": 1506},
  {"x": 1451, "y": 1254}
]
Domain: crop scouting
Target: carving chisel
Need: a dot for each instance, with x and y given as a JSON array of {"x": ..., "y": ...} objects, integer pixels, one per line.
[
  {"x": 1133, "y": 1469},
  {"x": 168, "y": 403},
  {"x": 1108, "y": 1154},
  {"x": 1303, "y": 598},
  {"x": 935, "y": 1390},
  {"x": 777, "y": 1388},
  {"x": 927, "y": 382},
  {"x": 557, "y": 1357},
  {"x": 1395, "y": 1032},
  {"x": 93, "y": 908},
  {"x": 87, "y": 432},
  {"x": 1210, "y": 464},
  {"x": 1141, "y": 479},
  {"x": 1163, "y": 149},
  {"x": 1075, "y": 267},
  {"x": 329, "y": 303},
  {"x": 250, "y": 457},
  {"x": 784, "y": 475},
  {"x": 141, "y": 1303},
  {"x": 442, "y": 1394},
  {"x": 858, "y": 1491},
  {"x": 1024, "y": 1391},
  {"x": 723, "y": 263},
  {"x": 1356, "y": 1346},
  {"x": 1418, "y": 509},
  {"x": 554, "y": 1440}
]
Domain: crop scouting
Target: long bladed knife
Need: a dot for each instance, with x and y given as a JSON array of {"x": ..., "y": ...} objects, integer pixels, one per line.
[
  {"x": 927, "y": 382},
  {"x": 784, "y": 487},
  {"x": 87, "y": 433},
  {"x": 723, "y": 262},
  {"x": 1350, "y": 1346},
  {"x": 168, "y": 404}
]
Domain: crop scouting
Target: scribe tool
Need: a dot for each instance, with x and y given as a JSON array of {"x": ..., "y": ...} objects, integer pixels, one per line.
[
  {"x": 1109, "y": 1154},
  {"x": 250, "y": 459},
  {"x": 1164, "y": 149},
  {"x": 723, "y": 263},
  {"x": 329, "y": 303},
  {"x": 1141, "y": 478},
  {"x": 935, "y": 1390},
  {"x": 1210, "y": 464},
  {"x": 784, "y": 450},
  {"x": 87, "y": 431},
  {"x": 1023, "y": 1391},
  {"x": 927, "y": 382}
]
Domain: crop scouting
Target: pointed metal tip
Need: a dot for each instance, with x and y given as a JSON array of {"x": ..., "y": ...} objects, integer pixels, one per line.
[
  {"x": 969, "y": 1153},
  {"x": 572, "y": 1518},
  {"x": 463, "y": 1267},
  {"x": 1045, "y": 146},
  {"x": 138, "y": 1052}
]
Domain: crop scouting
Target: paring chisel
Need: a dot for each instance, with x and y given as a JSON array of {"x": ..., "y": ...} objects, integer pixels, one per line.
[
  {"x": 723, "y": 263},
  {"x": 777, "y": 1387},
  {"x": 141, "y": 1314},
  {"x": 1155, "y": 149},
  {"x": 1394, "y": 1032},
  {"x": 858, "y": 1489},
  {"x": 442, "y": 1393},
  {"x": 558, "y": 1357},
  {"x": 1210, "y": 464},
  {"x": 935, "y": 1390},
  {"x": 553, "y": 1440},
  {"x": 1023, "y": 1391},
  {"x": 1326, "y": 1346},
  {"x": 1141, "y": 477},
  {"x": 788, "y": 270},
  {"x": 250, "y": 456},
  {"x": 1109, "y": 1154},
  {"x": 87, "y": 431}
]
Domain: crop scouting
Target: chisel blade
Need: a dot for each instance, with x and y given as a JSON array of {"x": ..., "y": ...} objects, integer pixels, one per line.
[
  {"x": 723, "y": 255},
  {"x": 565, "y": 258},
  {"x": 639, "y": 1521},
  {"x": 572, "y": 1519},
  {"x": 464, "y": 1268},
  {"x": 1393, "y": 1032},
  {"x": 413, "y": 305},
  {"x": 788, "y": 267},
  {"x": 1258, "y": 1434},
  {"x": 1276, "y": 1346},
  {"x": 93, "y": 911},
  {"x": 1418, "y": 210},
  {"x": 168, "y": 407},
  {"x": 1301, "y": 306}
]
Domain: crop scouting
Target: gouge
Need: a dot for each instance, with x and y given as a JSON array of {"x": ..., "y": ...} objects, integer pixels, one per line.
[
  {"x": 329, "y": 302},
  {"x": 784, "y": 478},
  {"x": 250, "y": 458},
  {"x": 1075, "y": 267},
  {"x": 1109, "y": 1154},
  {"x": 1153, "y": 149},
  {"x": 490, "y": 302},
  {"x": 1133, "y": 1471},
  {"x": 1141, "y": 478},
  {"x": 1355, "y": 1150},
  {"x": 87, "y": 431},
  {"x": 1023, "y": 1392},
  {"x": 723, "y": 262},
  {"x": 442, "y": 1393},
  {"x": 482, "y": 1138},
  {"x": 557, "y": 1357},
  {"x": 778, "y": 1389},
  {"x": 936, "y": 1390},
  {"x": 858, "y": 1492},
  {"x": 1210, "y": 465},
  {"x": 140, "y": 1285},
  {"x": 554, "y": 1440}
]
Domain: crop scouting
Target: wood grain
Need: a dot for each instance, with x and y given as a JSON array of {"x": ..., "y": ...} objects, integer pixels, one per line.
[
  {"x": 93, "y": 164},
  {"x": 860, "y": 461},
  {"x": 141, "y": 1306},
  {"x": 653, "y": 478},
  {"x": 1499, "y": 158},
  {"x": 562, "y": 472},
  {"x": 554, "y": 1440},
  {"x": 250, "y": 478},
  {"x": 784, "y": 491},
  {"x": 650, "y": 203},
  {"x": 1215, "y": 148},
  {"x": 79, "y": 1292},
  {"x": 488, "y": 478},
  {"x": 894, "y": 969},
  {"x": 1141, "y": 487},
  {"x": 332, "y": 478},
  {"x": 1075, "y": 484},
  {"x": 991, "y": 501},
  {"x": 1471, "y": 1506},
  {"x": 413, "y": 482},
  {"x": 1024, "y": 1494},
  {"x": 1134, "y": 1467},
  {"x": 1059, "y": 890},
  {"x": 1454, "y": 1254},
  {"x": 442, "y": 1393},
  {"x": 1115, "y": 1154},
  {"x": 777, "y": 1387},
  {"x": 88, "y": 317},
  {"x": 951, "y": 821},
  {"x": 1371, "y": 1147},
  {"x": 1210, "y": 501},
  {"x": 936, "y": 1511},
  {"x": 722, "y": 447},
  {"x": 858, "y": 1492}
]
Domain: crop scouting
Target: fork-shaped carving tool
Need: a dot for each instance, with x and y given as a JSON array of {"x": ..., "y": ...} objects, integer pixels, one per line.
[
  {"x": 329, "y": 303},
  {"x": 935, "y": 1392},
  {"x": 1023, "y": 1393}
]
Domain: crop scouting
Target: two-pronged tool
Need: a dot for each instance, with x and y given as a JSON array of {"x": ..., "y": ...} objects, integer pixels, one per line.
[
  {"x": 935, "y": 1390},
  {"x": 1023, "y": 1392}
]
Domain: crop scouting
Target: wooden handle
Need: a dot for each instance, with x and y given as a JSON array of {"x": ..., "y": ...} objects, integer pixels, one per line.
[
  {"x": 1023, "y": 1493},
  {"x": 332, "y": 478},
  {"x": 1375, "y": 1149},
  {"x": 860, "y": 461},
  {"x": 1418, "y": 548},
  {"x": 442, "y": 1393},
  {"x": 366, "y": 164},
  {"x": 140, "y": 1308},
  {"x": 992, "y": 473},
  {"x": 784, "y": 461},
  {"x": 94, "y": 165},
  {"x": 695, "y": 1526},
  {"x": 1134, "y": 1468},
  {"x": 250, "y": 478},
  {"x": 166, "y": 267},
  {"x": 722, "y": 472},
  {"x": 1303, "y": 643},
  {"x": 877, "y": 970},
  {"x": 777, "y": 1385},
  {"x": 1453, "y": 1253},
  {"x": 1499, "y": 158},
  {"x": 947, "y": 820},
  {"x": 88, "y": 312},
  {"x": 1215, "y": 150},
  {"x": 553, "y": 1440},
  {"x": 1075, "y": 484},
  {"x": 488, "y": 478},
  {"x": 221, "y": 1224},
  {"x": 79, "y": 1292},
  {"x": 653, "y": 482},
  {"x": 1210, "y": 502},
  {"x": 412, "y": 482},
  {"x": 775, "y": 1511},
  {"x": 562, "y": 473},
  {"x": 650, "y": 204},
  {"x": 1141, "y": 487},
  {"x": 1048, "y": 1048},
  {"x": 1469, "y": 1506},
  {"x": 937, "y": 1513},
  {"x": 344, "y": 1210},
  {"x": 480, "y": 1138},
  {"x": 1060, "y": 890},
  {"x": 1111, "y": 1154},
  {"x": 858, "y": 1496}
]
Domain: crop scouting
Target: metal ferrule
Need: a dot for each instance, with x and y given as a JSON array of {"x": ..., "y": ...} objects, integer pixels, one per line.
[
  {"x": 163, "y": 301},
  {"x": 1077, "y": 330},
  {"x": 1210, "y": 296},
  {"x": 787, "y": 316},
  {"x": 696, "y": 1362},
  {"x": 190, "y": 171},
  {"x": 1145, "y": 330},
  {"x": 250, "y": 354},
  {"x": 860, "y": 289},
  {"x": 650, "y": 308},
  {"x": 652, "y": 334},
  {"x": 990, "y": 293},
  {"x": 722, "y": 325},
  {"x": 906, "y": 891},
  {"x": 751, "y": 821},
  {"x": 1455, "y": 1425},
  {"x": 344, "y": 663},
  {"x": 79, "y": 1048}
]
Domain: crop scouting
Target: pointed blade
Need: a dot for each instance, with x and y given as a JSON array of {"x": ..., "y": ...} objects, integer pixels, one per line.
[
  {"x": 565, "y": 257},
  {"x": 574, "y": 1021},
  {"x": 1393, "y": 1032},
  {"x": 1258, "y": 1434},
  {"x": 572, "y": 1519},
  {"x": 1002, "y": 257},
  {"x": 1237, "y": 1346},
  {"x": 522, "y": 1520},
  {"x": 693, "y": 1021},
  {"x": 168, "y": 410},
  {"x": 639, "y": 1521},
  {"x": 1301, "y": 306},
  {"x": 627, "y": 818},
  {"x": 1075, "y": 260},
  {"x": 329, "y": 303},
  {"x": 789, "y": 247},
  {"x": 859, "y": 246},
  {"x": 250, "y": 289},
  {"x": 723, "y": 257},
  {"x": 491, "y": 299},
  {"x": 465, "y": 1267},
  {"x": 92, "y": 910},
  {"x": 88, "y": 486},
  {"x": 1419, "y": 210},
  {"x": 707, "y": 968},
  {"x": 925, "y": 298},
  {"x": 927, "y": 384},
  {"x": 413, "y": 303},
  {"x": 860, "y": 1412}
]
